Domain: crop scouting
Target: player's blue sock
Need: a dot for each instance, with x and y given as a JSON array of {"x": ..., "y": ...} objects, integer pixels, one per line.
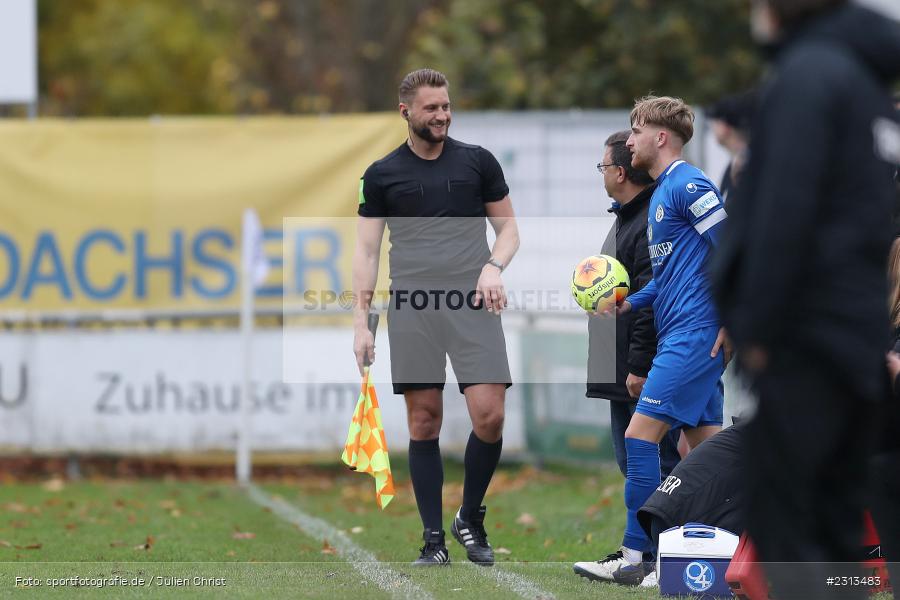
[{"x": 641, "y": 480}]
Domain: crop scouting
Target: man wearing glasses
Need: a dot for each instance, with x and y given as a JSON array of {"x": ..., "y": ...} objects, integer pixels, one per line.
[{"x": 630, "y": 342}]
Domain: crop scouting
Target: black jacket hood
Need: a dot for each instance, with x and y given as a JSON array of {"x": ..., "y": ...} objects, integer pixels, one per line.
[{"x": 873, "y": 37}]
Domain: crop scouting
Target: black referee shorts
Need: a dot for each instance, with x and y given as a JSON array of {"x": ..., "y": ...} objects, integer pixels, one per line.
[{"x": 428, "y": 322}]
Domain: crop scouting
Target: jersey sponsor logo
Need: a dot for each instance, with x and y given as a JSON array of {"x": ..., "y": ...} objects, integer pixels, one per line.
[
  {"x": 691, "y": 187},
  {"x": 649, "y": 232},
  {"x": 886, "y": 134},
  {"x": 660, "y": 250},
  {"x": 659, "y": 213},
  {"x": 704, "y": 204},
  {"x": 668, "y": 486},
  {"x": 650, "y": 400},
  {"x": 699, "y": 576},
  {"x": 362, "y": 197}
]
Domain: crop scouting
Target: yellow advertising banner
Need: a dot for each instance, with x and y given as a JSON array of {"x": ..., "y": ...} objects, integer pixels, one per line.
[{"x": 146, "y": 214}]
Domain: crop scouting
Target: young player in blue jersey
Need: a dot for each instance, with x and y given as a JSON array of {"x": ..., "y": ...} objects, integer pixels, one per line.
[{"x": 684, "y": 387}]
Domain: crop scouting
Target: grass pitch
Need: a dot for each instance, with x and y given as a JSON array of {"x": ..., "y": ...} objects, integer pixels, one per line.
[{"x": 168, "y": 538}]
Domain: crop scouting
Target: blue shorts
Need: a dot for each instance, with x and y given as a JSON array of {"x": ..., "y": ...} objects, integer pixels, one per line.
[{"x": 684, "y": 387}]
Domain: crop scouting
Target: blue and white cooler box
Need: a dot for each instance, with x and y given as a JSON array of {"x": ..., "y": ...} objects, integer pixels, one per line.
[{"x": 692, "y": 560}]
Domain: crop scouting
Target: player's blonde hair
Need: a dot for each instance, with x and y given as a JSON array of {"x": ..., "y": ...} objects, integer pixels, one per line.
[
  {"x": 665, "y": 111},
  {"x": 894, "y": 282}
]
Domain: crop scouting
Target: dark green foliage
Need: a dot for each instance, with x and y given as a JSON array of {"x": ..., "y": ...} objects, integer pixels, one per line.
[{"x": 140, "y": 57}]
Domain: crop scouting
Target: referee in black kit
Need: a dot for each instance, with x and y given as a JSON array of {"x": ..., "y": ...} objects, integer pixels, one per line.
[{"x": 446, "y": 298}]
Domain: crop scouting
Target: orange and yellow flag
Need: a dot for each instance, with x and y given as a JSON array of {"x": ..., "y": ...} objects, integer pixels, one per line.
[{"x": 366, "y": 449}]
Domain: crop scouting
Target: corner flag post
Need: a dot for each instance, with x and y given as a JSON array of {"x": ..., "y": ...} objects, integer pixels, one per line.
[{"x": 254, "y": 269}]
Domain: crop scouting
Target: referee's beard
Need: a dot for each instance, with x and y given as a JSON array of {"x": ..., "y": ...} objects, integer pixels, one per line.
[{"x": 424, "y": 132}]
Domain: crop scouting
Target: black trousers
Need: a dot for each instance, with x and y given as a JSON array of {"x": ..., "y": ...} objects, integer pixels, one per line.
[{"x": 806, "y": 453}]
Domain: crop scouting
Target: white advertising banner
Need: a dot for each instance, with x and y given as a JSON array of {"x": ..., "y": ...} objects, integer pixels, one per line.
[
  {"x": 164, "y": 391},
  {"x": 18, "y": 51}
]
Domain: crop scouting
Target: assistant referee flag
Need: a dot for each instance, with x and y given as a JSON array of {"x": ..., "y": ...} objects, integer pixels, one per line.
[{"x": 366, "y": 449}]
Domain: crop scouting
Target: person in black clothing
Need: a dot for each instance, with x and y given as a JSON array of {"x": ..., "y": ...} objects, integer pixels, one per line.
[
  {"x": 629, "y": 343},
  {"x": 446, "y": 298},
  {"x": 706, "y": 487},
  {"x": 800, "y": 281},
  {"x": 730, "y": 118}
]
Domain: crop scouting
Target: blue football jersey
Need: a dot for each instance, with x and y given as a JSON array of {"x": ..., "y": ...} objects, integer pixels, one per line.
[{"x": 685, "y": 216}]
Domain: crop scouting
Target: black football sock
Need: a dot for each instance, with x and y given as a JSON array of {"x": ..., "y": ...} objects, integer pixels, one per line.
[
  {"x": 480, "y": 461},
  {"x": 427, "y": 473}
]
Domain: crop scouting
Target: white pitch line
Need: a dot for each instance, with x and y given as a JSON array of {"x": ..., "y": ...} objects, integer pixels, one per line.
[
  {"x": 520, "y": 585},
  {"x": 370, "y": 567},
  {"x": 396, "y": 584}
]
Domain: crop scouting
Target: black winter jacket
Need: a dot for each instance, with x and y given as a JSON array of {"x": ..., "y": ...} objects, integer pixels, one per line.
[
  {"x": 629, "y": 342},
  {"x": 801, "y": 269}
]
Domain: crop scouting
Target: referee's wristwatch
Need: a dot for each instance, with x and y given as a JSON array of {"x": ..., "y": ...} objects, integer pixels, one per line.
[{"x": 496, "y": 263}]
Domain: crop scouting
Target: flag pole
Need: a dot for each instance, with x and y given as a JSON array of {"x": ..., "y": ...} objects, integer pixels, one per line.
[
  {"x": 253, "y": 271},
  {"x": 242, "y": 457}
]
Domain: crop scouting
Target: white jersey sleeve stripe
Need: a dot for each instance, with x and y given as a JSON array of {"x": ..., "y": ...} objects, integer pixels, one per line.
[
  {"x": 674, "y": 164},
  {"x": 704, "y": 225}
]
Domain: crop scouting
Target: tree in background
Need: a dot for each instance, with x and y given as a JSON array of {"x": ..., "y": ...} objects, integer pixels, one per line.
[
  {"x": 329, "y": 55},
  {"x": 134, "y": 58},
  {"x": 587, "y": 53},
  {"x": 142, "y": 57}
]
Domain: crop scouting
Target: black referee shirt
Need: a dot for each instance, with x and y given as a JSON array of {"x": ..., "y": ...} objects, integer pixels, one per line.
[{"x": 412, "y": 194}]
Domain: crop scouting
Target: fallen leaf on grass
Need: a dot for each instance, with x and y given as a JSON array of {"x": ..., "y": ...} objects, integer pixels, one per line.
[
  {"x": 587, "y": 538},
  {"x": 328, "y": 548},
  {"x": 502, "y": 551},
  {"x": 548, "y": 542},
  {"x": 526, "y": 519},
  {"x": 5, "y": 544},
  {"x": 21, "y": 508},
  {"x": 54, "y": 485},
  {"x": 230, "y": 553},
  {"x": 71, "y": 526},
  {"x": 613, "y": 489},
  {"x": 147, "y": 545},
  {"x": 597, "y": 506},
  {"x": 30, "y": 547},
  {"x": 506, "y": 482},
  {"x": 242, "y": 535}
]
